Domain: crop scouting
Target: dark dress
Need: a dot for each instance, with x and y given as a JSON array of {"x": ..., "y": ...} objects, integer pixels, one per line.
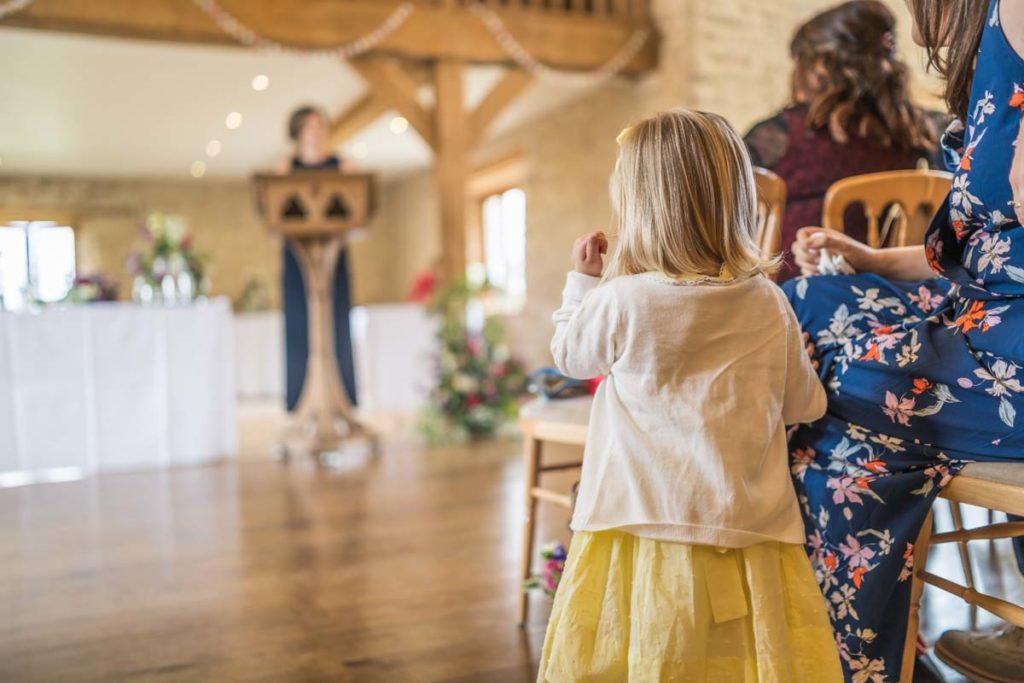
[
  {"x": 296, "y": 320},
  {"x": 810, "y": 161},
  {"x": 922, "y": 377}
]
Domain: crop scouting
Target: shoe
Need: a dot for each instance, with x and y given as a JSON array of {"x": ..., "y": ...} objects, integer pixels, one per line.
[{"x": 996, "y": 657}]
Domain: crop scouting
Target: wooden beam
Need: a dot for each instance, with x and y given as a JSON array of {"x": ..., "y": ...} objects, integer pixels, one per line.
[
  {"x": 390, "y": 83},
  {"x": 359, "y": 115},
  {"x": 500, "y": 96},
  {"x": 451, "y": 165},
  {"x": 573, "y": 40}
]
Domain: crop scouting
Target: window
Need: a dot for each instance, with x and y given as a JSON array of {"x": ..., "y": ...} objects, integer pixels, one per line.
[
  {"x": 37, "y": 262},
  {"x": 504, "y": 243},
  {"x": 496, "y": 239}
]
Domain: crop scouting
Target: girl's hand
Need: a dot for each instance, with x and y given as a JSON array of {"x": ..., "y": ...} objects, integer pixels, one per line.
[
  {"x": 586, "y": 254},
  {"x": 1017, "y": 178},
  {"x": 810, "y": 242}
]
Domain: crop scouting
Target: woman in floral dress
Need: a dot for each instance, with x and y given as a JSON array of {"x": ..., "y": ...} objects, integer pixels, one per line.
[{"x": 923, "y": 373}]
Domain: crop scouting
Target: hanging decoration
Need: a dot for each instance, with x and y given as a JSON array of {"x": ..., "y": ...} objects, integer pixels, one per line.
[
  {"x": 515, "y": 50},
  {"x": 490, "y": 19},
  {"x": 246, "y": 36},
  {"x": 8, "y": 8}
]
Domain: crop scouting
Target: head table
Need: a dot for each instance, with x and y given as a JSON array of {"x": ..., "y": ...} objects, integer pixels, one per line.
[{"x": 114, "y": 386}]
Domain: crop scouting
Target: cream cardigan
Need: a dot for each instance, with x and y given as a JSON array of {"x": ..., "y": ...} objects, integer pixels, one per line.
[{"x": 687, "y": 438}]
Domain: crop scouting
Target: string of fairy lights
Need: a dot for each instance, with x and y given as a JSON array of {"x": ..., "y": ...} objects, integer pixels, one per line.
[{"x": 491, "y": 20}]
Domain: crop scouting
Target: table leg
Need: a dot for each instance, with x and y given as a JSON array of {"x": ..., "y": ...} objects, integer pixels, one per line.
[{"x": 531, "y": 463}]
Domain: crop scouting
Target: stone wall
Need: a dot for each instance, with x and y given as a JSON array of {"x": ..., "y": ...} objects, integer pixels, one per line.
[
  {"x": 106, "y": 215},
  {"x": 727, "y": 56}
]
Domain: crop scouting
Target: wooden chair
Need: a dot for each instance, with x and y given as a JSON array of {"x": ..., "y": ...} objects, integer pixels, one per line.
[
  {"x": 907, "y": 199},
  {"x": 996, "y": 486},
  {"x": 771, "y": 207}
]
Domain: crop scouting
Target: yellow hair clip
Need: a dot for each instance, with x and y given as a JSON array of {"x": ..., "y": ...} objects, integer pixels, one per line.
[{"x": 621, "y": 138}]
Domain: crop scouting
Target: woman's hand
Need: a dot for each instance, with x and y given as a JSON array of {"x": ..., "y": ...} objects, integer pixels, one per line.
[
  {"x": 586, "y": 254},
  {"x": 1017, "y": 177},
  {"x": 810, "y": 242}
]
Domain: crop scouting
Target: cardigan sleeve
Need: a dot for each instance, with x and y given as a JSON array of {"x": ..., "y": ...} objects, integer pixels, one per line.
[
  {"x": 805, "y": 399},
  {"x": 586, "y": 327}
]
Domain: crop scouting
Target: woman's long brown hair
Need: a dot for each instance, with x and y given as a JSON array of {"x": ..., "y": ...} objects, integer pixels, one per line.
[
  {"x": 952, "y": 30},
  {"x": 847, "y": 73}
]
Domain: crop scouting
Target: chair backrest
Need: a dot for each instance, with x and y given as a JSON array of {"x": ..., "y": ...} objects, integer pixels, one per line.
[
  {"x": 771, "y": 206},
  {"x": 908, "y": 199}
]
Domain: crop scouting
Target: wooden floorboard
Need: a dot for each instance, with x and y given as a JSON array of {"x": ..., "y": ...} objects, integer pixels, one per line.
[{"x": 402, "y": 569}]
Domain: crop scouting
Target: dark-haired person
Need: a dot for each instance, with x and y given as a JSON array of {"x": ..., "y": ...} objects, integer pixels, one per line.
[
  {"x": 921, "y": 353},
  {"x": 850, "y": 114},
  {"x": 309, "y": 131}
]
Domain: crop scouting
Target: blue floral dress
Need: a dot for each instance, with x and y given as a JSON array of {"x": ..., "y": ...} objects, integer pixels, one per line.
[{"x": 922, "y": 377}]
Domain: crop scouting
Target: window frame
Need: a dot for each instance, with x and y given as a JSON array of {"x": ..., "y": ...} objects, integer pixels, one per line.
[{"x": 493, "y": 179}]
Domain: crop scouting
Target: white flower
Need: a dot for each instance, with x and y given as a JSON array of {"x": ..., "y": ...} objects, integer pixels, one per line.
[
  {"x": 464, "y": 383},
  {"x": 993, "y": 252},
  {"x": 1003, "y": 378}
]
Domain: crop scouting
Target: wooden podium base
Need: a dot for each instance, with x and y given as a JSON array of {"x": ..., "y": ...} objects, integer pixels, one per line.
[{"x": 323, "y": 424}]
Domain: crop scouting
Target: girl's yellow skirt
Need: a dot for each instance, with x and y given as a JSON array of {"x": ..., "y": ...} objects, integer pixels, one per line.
[{"x": 644, "y": 611}]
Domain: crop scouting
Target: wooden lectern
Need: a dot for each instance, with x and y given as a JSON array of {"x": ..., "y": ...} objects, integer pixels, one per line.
[{"x": 314, "y": 211}]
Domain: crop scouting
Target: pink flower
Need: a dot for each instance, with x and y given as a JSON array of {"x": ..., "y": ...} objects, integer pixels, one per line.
[
  {"x": 846, "y": 489},
  {"x": 925, "y": 300},
  {"x": 899, "y": 409},
  {"x": 856, "y": 555}
]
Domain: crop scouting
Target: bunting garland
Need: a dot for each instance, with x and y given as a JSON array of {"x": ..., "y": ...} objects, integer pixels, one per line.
[
  {"x": 515, "y": 50},
  {"x": 246, "y": 36}
]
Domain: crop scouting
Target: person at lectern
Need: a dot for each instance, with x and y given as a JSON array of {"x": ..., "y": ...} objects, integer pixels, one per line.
[{"x": 308, "y": 130}]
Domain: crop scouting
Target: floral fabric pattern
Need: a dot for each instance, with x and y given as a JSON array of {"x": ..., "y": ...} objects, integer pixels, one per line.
[{"x": 922, "y": 377}]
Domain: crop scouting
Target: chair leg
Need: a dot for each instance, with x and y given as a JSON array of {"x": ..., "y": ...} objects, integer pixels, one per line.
[
  {"x": 965, "y": 556},
  {"x": 531, "y": 464},
  {"x": 916, "y": 591}
]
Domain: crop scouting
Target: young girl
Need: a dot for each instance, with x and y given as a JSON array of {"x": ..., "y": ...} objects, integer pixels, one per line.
[{"x": 687, "y": 562}]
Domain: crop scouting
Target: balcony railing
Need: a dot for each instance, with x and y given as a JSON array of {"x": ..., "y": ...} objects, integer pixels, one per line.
[{"x": 632, "y": 10}]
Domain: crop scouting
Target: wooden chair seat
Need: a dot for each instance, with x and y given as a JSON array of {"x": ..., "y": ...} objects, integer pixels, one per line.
[{"x": 1010, "y": 473}]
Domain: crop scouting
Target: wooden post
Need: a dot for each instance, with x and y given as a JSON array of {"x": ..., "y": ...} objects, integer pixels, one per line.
[{"x": 451, "y": 138}]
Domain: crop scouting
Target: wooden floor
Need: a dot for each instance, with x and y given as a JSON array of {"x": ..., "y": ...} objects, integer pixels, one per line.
[{"x": 402, "y": 569}]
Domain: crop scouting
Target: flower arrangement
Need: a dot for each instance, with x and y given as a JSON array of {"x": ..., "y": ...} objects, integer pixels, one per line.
[
  {"x": 479, "y": 384},
  {"x": 553, "y": 555},
  {"x": 87, "y": 289},
  {"x": 168, "y": 259}
]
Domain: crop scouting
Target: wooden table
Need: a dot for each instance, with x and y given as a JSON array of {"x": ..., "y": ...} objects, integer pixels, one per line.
[{"x": 555, "y": 421}]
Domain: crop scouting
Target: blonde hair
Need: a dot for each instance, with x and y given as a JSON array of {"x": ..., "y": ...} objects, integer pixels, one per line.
[{"x": 684, "y": 194}]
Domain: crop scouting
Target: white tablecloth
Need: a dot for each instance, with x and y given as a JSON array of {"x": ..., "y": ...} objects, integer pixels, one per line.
[
  {"x": 395, "y": 351},
  {"x": 259, "y": 354},
  {"x": 115, "y": 386}
]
